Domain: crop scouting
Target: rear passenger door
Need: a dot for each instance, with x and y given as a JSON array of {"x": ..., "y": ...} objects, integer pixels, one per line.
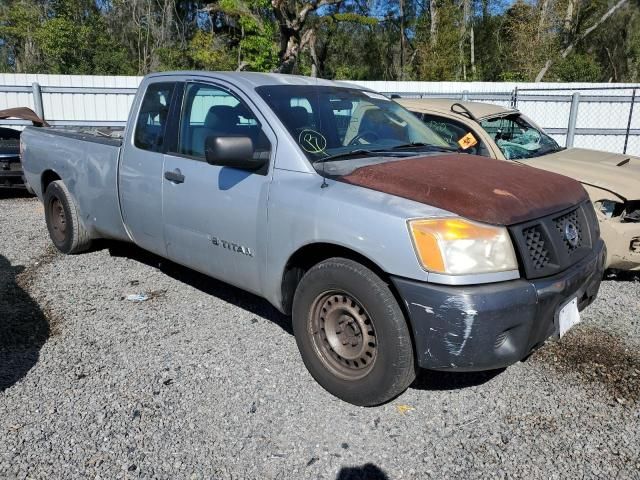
[
  {"x": 215, "y": 217},
  {"x": 141, "y": 168}
]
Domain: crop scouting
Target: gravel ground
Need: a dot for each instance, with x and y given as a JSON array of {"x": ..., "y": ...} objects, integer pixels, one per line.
[{"x": 205, "y": 381}]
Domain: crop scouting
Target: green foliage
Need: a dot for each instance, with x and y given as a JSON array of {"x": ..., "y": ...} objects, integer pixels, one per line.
[
  {"x": 577, "y": 68},
  {"x": 439, "y": 60},
  {"x": 510, "y": 76},
  {"x": 19, "y": 20},
  {"x": 70, "y": 38},
  {"x": 258, "y": 44},
  {"x": 206, "y": 53},
  {"x": 355, "y": 18},
  {"x": 66, "y": 46},
  {"x": 632, "y": 51},
  {"x": 512, "y": 41}
]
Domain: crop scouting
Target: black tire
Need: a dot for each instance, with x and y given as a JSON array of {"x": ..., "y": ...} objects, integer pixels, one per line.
[
  {"x": 63, "y": 222},
  {"x": 352, "y": 334}
]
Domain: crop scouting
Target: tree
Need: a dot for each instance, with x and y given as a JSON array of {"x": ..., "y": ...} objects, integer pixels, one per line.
[
  {"x": 571, "y": 45},
  {"x": 572, "y": 40},
  {"x": 19, "y": 21},
  {"x": 248, "y": 29},
  {"x": 292, "y": 16}
]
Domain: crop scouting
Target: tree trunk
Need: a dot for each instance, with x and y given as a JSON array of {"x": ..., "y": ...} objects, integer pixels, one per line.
[
  {"x": 291, "y": 17},
  {"x": 309, "y": 40},
  {"x": 569, "y": 48},
  {"x": 463, "y": 37},
  {"x": 613, "y": 65},
  {"x": 289, "y": 54},
  {"x": 241, "y": 65},
  {"x": 401, "y": 39},
  {"x": 543, "y": 17},
  {"x": 472, "y": 41},
  {"x": 433, "y": 28},
  {"x": 568, "y": 20}
]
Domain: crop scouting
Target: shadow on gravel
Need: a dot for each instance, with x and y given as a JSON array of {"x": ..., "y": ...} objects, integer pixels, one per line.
[
  {"x": 23, "y": 327},
  {"x": 208, "y": 285},
  {"x": 435, "y": 380},
  {"x": 622, "y": 276},
  {"x": 14, "y": 193},
  {"x": 368, "y": 471}
]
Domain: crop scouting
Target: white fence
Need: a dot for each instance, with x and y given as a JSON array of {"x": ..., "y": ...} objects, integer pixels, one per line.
[
  {"x": 604, "y": 117},
  {"x": 72, "y": 99}
]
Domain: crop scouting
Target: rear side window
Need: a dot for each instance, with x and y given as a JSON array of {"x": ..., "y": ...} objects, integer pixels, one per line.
[{"x": 153, "y": 116}]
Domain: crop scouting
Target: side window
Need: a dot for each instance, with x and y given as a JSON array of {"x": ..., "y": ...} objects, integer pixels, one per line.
[
  {"x": 212, "y": 111},
  {"x": 152, "y": 119},
  {"x": 456, "y": 134}
]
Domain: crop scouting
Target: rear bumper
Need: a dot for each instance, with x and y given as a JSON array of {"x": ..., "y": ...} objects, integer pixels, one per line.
[
  {"x": 11, "y": 175},
  {"x": 492, "y": 326}
]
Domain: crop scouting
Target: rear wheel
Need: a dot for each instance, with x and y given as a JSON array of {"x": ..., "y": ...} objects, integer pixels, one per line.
[
  {"x": 63, "y": 222},
  {"x": 352, "y": 334}
]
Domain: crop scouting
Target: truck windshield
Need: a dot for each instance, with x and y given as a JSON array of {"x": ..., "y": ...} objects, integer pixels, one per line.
[
  {"x": 331, "y": 121},
  {"x": 517, "y": 138}
]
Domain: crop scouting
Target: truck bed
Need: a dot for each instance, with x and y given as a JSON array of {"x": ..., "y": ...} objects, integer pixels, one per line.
[
  {"x": 103, "y": 135},
  {"x": 86, "y": 160}
]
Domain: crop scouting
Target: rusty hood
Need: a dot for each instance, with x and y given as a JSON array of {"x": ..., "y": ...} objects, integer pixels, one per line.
[
  {"x": 614, "y": 172},
  {"x": 23, "y": 113},
  {"x": 477, "y": 188}
]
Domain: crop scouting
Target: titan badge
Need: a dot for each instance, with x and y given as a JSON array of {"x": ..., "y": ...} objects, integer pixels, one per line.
[{"x": 234, "y": 247}]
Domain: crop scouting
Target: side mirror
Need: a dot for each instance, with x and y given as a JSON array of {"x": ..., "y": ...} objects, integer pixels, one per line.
[{"x": 236, "y": 152}]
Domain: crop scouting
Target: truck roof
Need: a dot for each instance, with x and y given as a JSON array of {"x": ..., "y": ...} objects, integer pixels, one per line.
[
  {"x": 257, "y": 79},
  {"x": 443, "y": 105}
]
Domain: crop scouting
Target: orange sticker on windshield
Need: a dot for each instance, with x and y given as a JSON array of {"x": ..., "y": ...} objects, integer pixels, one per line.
[{"x": 467, "y": 141}]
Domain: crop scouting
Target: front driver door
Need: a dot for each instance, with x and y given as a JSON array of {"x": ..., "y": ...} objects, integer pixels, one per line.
[{"x": 215, "y": 217}]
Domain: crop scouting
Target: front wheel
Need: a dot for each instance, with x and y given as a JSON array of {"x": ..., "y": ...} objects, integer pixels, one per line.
[{"x": 352, "y": 334}]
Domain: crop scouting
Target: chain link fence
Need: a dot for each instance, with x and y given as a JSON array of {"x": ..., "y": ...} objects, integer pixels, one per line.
[{"x": 599, "y": 118}]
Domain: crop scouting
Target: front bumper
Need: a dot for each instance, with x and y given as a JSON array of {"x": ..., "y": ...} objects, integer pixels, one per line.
[
  {"x": 623, "y": 244},
  {"x": 491, "y": 326}
]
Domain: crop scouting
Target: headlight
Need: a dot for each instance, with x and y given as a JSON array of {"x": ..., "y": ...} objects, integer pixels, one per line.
[{"x": 456, "y": 246}]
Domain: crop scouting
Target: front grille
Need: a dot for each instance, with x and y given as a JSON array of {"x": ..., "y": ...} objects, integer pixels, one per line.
[
  {"x": 551, "y": 244},
  {"x": 535, "y": 242}
]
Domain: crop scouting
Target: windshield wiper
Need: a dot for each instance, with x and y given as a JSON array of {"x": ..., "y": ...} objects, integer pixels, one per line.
[
  {"x": 435, "y": 148},
  {"x": 351, "y": 153},
  {"x": 392, "y": 150}
]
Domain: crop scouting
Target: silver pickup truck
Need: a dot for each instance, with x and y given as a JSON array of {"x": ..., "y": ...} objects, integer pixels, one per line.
[{"x": 390, "y": 250}]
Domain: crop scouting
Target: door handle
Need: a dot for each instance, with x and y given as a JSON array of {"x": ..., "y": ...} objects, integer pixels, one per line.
[{"x": 174, "y": 176}]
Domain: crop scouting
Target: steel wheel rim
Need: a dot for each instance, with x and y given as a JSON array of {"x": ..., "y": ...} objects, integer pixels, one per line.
[
  {"x": 58, "y": 220},
  {"x": 343, "y": 335}
]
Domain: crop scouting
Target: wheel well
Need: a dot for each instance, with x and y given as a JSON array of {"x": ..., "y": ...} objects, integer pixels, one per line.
[
  {"x": 310, "y": 255},
  {"x": 47, "y": 177}
]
